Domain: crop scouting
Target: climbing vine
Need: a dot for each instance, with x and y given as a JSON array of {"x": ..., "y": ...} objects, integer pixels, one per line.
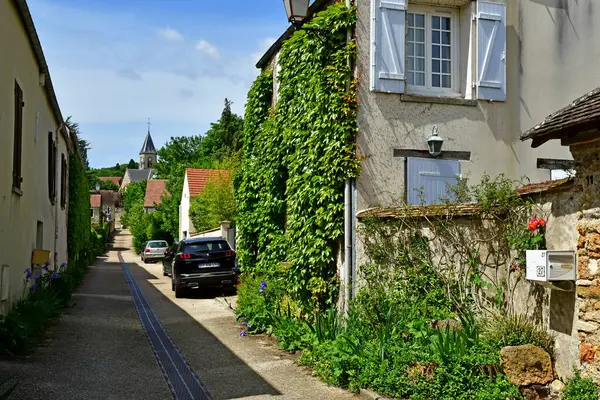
[{"x": 296, "y": 159}]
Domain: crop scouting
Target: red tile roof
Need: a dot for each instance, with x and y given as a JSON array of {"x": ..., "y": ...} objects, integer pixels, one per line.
[
  {"x": 115, "y": 179},
  {"x": 96, "y": 200},
  {"x": 198, "y": 178},
  {"x": 155, "y": 189},
  {"x": 547, "y": 186}
]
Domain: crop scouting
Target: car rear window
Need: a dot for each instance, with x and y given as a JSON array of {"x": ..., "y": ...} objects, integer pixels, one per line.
[
  {"x": 157, "y": 245},
  {"x": 206, "y": 246}
]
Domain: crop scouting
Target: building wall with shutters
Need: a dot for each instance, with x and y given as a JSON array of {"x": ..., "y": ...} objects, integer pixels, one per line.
[
  {"x": 21, "y": 213},
  {"x": 390, "y": 118}
]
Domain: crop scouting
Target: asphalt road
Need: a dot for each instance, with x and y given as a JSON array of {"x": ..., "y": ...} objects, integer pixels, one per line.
[{"x": 127, "y": 337}]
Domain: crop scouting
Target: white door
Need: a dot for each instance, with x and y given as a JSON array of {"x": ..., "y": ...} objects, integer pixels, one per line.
[{"x": 428, "y": 179}]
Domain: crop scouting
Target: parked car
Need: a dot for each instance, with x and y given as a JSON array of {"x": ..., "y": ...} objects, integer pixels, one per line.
[
  {"x": 201, "y": 263},
  {"x": 154, "y": 250},
  {"x": 168, "y": 260}
]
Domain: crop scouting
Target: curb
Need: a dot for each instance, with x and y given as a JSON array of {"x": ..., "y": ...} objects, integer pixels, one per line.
[{"x": 371, "y": 395}]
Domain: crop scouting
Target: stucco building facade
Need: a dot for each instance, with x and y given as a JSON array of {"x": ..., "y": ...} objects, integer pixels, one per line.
[{"x": 34, "y": 153}]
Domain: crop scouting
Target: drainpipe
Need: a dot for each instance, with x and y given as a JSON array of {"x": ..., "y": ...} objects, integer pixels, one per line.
[
  {"x": 55, "y": 254},
  {"x": 348, "y": 272}
]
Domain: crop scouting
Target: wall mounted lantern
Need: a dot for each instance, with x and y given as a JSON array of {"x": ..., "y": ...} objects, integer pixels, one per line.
[
  {"x": 296, "y": 10},
  {"x": 434, "y": 142},
  {"x": 97, "y": 186}
]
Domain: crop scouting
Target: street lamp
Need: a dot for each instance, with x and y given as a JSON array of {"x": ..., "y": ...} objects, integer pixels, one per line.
[
  {"x": 97, "y": 186},
  {"x": 434, "y": 142},
  {"x": 296, "y": 10}
]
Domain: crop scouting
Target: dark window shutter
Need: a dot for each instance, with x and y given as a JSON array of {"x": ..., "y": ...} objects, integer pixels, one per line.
[
  {"x": 50, "y": 156},
  {"x": 63, "y": 181},
  {"x": 18, "y": 137}
]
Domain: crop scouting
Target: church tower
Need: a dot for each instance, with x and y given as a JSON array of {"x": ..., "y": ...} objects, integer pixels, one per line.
[{"x": 148, "y": 152}]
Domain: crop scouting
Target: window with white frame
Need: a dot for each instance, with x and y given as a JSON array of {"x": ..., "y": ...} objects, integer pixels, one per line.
[
  {"x": 414, "y": 49},
  {"x": 430, "y": 45}
]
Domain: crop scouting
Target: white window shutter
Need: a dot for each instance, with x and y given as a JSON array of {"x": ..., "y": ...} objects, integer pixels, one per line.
[
  {"x": 491, "y": 51},
  {"x": 428, "y": 179},
  {"x": 388, "y": 35}
]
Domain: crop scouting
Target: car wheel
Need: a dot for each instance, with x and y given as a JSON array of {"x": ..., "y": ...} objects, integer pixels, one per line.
[
  {"x": 179, "y": 293},
  {"x": 165, "y": 273},
  {"x": 172, "y": 284}
]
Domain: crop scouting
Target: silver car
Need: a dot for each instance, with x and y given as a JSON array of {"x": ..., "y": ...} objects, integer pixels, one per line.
[{"x": 154, "y": 250}]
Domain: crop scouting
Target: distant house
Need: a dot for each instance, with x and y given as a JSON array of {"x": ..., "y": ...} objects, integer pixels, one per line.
[
  {"x": 154, "y": 191},
  {"x": 114, "y": 179},
  {"x": 35, "y": 146},
  {"x": 136, "y": 175},
  {"x": 194, "y": 183},
  {"x": 96, "y": 208}
]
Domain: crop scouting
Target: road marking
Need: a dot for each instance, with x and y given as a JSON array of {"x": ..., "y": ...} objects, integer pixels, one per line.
[{"x": 181, "y": 378}]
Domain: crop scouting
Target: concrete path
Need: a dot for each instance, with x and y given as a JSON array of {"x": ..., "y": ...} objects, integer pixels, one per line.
[{"x": 100, "y": 350}]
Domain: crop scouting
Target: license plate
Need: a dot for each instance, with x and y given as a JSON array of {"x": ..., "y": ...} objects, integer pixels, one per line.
[{"x": 209, "y": 265}]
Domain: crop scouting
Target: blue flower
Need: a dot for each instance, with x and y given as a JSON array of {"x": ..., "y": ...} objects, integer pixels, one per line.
[
  {"x": 28, "y": 274},
  {"x": 244, "y": 323},
  {"x": 243, "y": 333},
  {"x": 45, "y": 267},
  {"x": 32, "y": 287},
  {"x": 263, "y": 286},
  {"x": 63, "y": 265},
  {"x": 54, "y": 276},
  {"x": 36, "y": 277},
  {"x": 249, "y": 326}
]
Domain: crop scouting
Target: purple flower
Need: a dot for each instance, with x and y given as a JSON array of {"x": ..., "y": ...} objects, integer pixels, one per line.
[
  {"x": 244, "y": 323},
  {"x": 36, "y": 277},
  {"x": 243, "y": 333},
  {"x": 28, "y": 274},
  {"x": 249, "y": 326},
  {"x": 45, "y": 267},
  {"x": 263, "y": 286},
  {"x": 54, "y": 276},
  {"x": 32, "y": 287},
  {"x": 63, "y": 265}
]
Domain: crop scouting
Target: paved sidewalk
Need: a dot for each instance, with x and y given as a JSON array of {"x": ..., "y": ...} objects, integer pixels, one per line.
[{"x": 97, "y": 350}]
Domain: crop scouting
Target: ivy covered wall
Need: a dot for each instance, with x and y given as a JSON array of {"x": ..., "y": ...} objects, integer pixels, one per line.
[{"x": 297, "y": 157}]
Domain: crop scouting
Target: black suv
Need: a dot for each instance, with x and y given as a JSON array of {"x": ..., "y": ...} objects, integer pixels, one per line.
[{"x": 203, "y": 262}]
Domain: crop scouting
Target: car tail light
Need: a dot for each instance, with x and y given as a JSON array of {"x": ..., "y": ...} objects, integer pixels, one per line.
[
  {"x": 230, "y": 253},
  {"x": 147, "y": 250},
  {"x": 186, "y": 255}
]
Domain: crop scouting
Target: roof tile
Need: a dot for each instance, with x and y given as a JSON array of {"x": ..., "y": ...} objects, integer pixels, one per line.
[
  {"x": 154, "y": 191},
  {"x": 198, "y": 178}
]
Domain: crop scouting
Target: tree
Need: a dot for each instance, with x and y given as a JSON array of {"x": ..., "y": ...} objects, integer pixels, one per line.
[
  {"x": 132, "y": 164},
  {"x": 83, "y": 144},
  {"x": 214, "y": 205}
]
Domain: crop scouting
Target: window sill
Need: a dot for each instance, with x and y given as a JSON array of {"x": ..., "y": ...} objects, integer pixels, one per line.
[
  {"x": 18, "y": 191},
  {"x": 455, "y": 101}
]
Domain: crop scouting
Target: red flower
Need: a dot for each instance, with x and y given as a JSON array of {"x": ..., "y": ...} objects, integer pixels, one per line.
[
  {"x": 542, "y": 222},
  {"x": 533, "y": 224}
]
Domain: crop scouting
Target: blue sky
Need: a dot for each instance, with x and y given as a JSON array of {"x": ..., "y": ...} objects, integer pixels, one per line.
[{"x": 116, "y": 63}]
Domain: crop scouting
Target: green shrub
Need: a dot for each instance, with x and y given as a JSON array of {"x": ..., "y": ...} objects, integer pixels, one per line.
[
  {"x": 517, "y": 330},
  {"x": 579, "y": 388}
]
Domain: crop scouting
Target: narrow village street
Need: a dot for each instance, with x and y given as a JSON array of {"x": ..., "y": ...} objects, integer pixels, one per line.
[{"x": 100, "y": 348}]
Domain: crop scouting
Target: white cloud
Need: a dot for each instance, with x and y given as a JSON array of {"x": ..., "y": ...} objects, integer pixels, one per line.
[
  {"x": 207, "y": 48},
  {"x": 170, "y": 34},
  {"x": 263, "y": 46}
]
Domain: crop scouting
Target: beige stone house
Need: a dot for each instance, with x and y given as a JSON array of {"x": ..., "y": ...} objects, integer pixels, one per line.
[
  {"x": 34, "y": 154},
  {"x": 477, "y": 73},
  {"x": 155, "y": 189}
]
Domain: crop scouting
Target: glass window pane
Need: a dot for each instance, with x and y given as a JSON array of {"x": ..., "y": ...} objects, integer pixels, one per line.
[
  {"x": 446, "y": 23},
  {"x": 420, "y": 64},
  {"x": 411, "y": 64},
  {"x": 420, "y": 35},
  {"x": 435, "y": 80},
  {"x": 435, "y": 65},
  {"x": 446, "y": 67},
  {"x": 446, "y": 81},
  {"x": 420, "y": 79},
  {"x": 446, "y": 52},
  {"x": 410, "y": 78},
  {"x": 410, "y": 49},
  {"x": 435, "y": 37},
  {"x": 411, "y": 35},
  {"x": 436, "y": 51},
  {"x": 420, "y": 20},
  {"x": 411, "y": 19},
  {"x": 420, "y": 50},
  {"x": 435, "y": 22},
  {"x": 446, "y": 37}
]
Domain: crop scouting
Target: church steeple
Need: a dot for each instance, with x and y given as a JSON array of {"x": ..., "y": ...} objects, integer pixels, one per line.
[{"x": 148, "y": 152}]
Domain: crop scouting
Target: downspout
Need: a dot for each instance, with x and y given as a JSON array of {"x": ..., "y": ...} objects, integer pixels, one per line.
[
  {"x": 61, "y": 126},
  {"x": 348, "y": 272}
]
